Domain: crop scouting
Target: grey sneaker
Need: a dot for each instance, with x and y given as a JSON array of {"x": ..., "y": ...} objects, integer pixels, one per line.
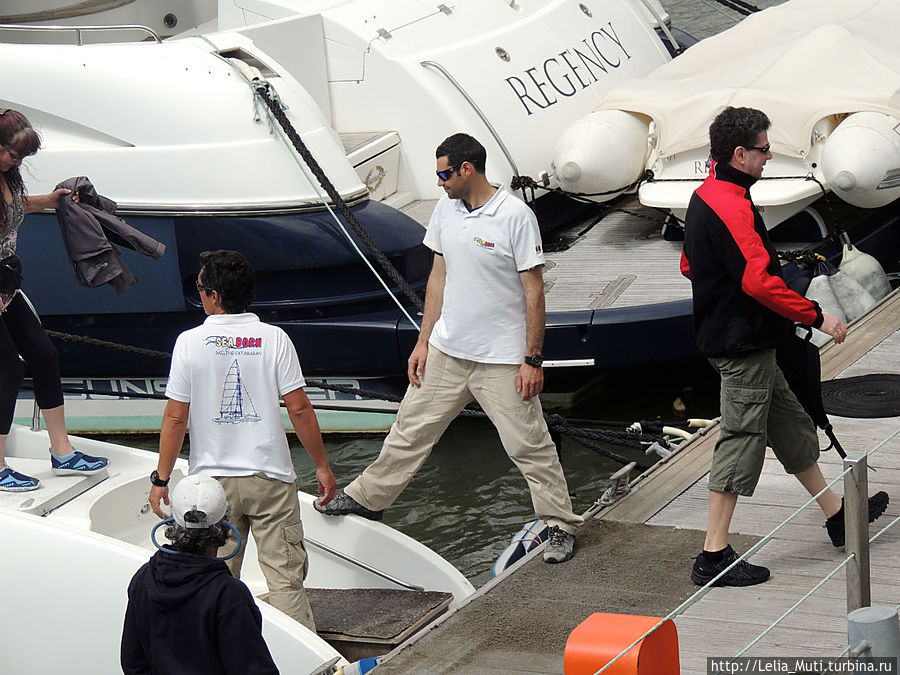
[
  {"x": 560, "y": 545},
  {"x": 343, "y": 504}
]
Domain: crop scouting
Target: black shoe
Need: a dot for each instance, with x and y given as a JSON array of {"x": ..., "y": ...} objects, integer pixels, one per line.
[
  {"x": 835, "y": 525},
  {"x": 343, "y": 504},
  {"x": 742, "y": 574}
]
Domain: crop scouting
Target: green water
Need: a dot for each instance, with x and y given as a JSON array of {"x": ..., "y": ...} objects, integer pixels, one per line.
[{"x": 468, "y": 499}]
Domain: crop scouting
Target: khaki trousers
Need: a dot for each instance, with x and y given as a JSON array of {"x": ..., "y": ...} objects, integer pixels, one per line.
[
  {"x": 448, "y": 385},
  {"x": 271, "y": 510},
  {"x": 758, "y": 408}
]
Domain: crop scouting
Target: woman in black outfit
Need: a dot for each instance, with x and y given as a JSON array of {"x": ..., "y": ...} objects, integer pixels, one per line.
[{"x": 20, "y": 332}]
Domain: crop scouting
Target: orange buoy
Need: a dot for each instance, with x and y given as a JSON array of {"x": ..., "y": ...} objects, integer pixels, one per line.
[{"x": 601, "y": 637}]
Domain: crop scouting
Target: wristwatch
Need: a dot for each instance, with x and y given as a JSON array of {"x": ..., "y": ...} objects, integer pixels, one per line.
[
  {"x": 535, "y": 360},
  {"x": 157, "y": 481}
]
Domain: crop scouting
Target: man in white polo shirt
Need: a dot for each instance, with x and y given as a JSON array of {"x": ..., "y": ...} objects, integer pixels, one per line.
[
  {"x": 481, "y": 338},
  {"x": 226, "y": 378}
]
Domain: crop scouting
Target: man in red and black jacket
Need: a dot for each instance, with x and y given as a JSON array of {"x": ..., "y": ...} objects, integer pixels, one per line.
[{"x": 742, "y": 310}]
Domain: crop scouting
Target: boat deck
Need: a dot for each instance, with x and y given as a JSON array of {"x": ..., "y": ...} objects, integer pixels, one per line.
[
  {"x": 635, "y": 557},
  {"x": 621, "y": 260}
]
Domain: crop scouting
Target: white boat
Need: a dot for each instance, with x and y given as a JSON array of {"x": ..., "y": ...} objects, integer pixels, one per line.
[
  {"x": 825, "y": 71},
  {"x": 163, "y": 121},
  {"x": 96, "y": 530}
]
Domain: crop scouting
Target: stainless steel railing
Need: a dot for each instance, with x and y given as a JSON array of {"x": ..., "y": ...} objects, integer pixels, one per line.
[{"x": 79, "y": 29}]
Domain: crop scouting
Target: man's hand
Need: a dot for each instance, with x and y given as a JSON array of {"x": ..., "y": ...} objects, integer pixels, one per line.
[
  {"x": 327, "y": 484},
  {"x": 834, "y": 327},
  {"x": 158, "y": 493},
  {"x": 417, "y": 364},
  {"x": 529, "y": 381}
]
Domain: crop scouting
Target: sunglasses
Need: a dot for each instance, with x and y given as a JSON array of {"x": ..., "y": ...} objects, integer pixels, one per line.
[
  {"x": 764, "y": 149},
  {"x": 446, "y": 174},
  {"x": 201, "y": 288}
]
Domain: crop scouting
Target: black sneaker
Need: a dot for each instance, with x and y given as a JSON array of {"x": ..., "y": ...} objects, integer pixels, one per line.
[
  {"x": 835, "y": 525},
  {"x": 742, "y": 574},
  {"x": 343, "y": 504}
]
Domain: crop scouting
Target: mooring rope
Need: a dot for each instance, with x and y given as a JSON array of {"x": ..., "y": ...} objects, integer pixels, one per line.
[
  {"x": 556, "y": 424},
  {"x": 264, "y": 91}
]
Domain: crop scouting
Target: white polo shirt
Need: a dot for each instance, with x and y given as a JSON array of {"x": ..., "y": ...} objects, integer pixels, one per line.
[
  {"x": 483, "y": 313},
  {"x": 232, "y": 369}
]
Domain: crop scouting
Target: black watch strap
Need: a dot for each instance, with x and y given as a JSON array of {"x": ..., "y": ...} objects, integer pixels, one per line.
[
  {"x": 535, "y": 360},
  {"x": 157, "y": 481}
]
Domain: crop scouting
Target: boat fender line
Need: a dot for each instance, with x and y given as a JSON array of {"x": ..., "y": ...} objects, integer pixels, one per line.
[
  {"x": 587, "y": 437},
  {"x": 527, "y": 182},
  {"x": 169, "y": 521},
  {"x": 264, "y": 91},
  {"x": 94, "y": 342}
]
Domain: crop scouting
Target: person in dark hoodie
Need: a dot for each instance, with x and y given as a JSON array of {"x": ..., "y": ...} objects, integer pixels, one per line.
[{"x": 186, "y": 614}]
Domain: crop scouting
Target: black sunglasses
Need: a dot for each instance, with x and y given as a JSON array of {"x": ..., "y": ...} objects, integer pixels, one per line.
[
  {"x": 201, "y": 288},
  {"x": 446, "y": 174},
  {"x": 764, "y": 149}
]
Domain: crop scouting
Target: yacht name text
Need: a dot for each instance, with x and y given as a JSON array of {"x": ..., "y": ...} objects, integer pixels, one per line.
[{"x": 570, "y": 71}]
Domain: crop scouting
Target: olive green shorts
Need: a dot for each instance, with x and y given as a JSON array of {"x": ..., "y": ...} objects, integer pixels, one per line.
[{"x": 758, "y": 408}]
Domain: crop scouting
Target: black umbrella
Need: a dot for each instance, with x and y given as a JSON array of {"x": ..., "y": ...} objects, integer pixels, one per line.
[{"x": 798, "y": 359}]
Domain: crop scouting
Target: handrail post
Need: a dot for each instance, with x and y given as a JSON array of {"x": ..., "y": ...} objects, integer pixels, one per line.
[
  {"x": 36, "y": 417},
  {"x": 856, "y": 527},
  {"x": 490, "y": 127}
]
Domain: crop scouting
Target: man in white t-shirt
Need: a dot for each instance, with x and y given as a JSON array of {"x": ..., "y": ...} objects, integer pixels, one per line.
[
  {"x": 226, "y": 378},
  {"x": 481, "y": 336}
]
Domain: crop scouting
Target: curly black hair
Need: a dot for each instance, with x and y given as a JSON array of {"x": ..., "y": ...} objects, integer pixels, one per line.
[
  {"x": 460, "y": 148},
  {"x": 735, "y": 127},
  {"x": 198, "y": 541},
  {"x": 232, "y": 275}
]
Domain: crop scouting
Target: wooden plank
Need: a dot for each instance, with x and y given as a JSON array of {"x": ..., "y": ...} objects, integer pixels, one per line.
[
  {"x": 863, "y": 335},
  {"x": 725, "y": 620}
]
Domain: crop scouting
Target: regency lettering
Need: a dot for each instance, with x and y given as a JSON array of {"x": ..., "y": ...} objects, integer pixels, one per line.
[{"x": 569, "y": 71}]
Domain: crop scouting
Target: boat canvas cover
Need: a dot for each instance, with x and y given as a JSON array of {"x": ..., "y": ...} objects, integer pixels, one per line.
[{"x": 798, "y": 62}]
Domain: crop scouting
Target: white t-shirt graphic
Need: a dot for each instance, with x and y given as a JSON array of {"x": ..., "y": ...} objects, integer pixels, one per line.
[{"x": 232, "y": 369}]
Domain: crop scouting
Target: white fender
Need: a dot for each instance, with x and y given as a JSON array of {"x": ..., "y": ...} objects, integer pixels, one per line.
[
  {"x": 602, "y": 152},
  {"x": 861, "y": 159},
  {"x": 866, "y": 270}
]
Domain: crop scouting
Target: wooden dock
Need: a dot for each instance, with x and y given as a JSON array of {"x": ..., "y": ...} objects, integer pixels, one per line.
[{"x": 635, "y": 556}]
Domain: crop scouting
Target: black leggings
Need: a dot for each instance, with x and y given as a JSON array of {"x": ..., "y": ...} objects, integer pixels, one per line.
[{"x": 21, "y": 334}]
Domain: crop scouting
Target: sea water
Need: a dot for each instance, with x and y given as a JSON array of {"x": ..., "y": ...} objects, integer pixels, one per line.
[{"x": 468, "y": 500}]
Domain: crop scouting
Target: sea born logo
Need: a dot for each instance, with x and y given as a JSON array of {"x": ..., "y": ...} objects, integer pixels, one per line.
[
  {"x": 537, "y": 249},
  {"x": 231, "y": 342},
  {"x": 489, "y": 245}
]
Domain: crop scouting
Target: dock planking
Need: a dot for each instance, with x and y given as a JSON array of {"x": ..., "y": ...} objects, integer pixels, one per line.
[
  {"x": 725, "y": 621},
  {"x": 635, "y": 557}
]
